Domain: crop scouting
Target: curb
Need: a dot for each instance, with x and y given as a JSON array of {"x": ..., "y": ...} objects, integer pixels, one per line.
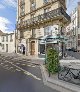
[{"x": 60, "y": 85}]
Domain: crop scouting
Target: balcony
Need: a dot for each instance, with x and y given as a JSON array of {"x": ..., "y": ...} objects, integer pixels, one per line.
[{"x": 57, "y": 14}]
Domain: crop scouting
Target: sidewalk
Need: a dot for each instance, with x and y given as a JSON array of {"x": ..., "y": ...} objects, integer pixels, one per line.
[
  {"x": 33, "y": 59},
  {"x": 55, "y": 83}
]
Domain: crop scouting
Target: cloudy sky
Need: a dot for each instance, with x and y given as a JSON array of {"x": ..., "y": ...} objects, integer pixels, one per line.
[{"x": 8, "y": 13}]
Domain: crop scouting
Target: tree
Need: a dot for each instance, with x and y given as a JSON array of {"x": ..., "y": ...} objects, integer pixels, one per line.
[{"x": 52, "y": 61}]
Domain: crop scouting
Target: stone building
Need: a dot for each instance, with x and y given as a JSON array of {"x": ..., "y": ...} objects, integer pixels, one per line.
[
  {"x": 7, "y": 41},
  {"x": 38, "y": 18},
  {"x": 73, "y": 29}
]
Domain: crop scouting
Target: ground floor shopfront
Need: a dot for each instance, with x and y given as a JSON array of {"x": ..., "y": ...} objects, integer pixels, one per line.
[{"x": 34, "y": 47}]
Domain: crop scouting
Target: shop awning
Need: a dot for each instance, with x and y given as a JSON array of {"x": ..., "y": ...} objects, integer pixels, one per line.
[{"x": 43, "y": 42}]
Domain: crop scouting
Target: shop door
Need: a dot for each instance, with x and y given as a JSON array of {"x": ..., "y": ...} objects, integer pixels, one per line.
[{"x": 33, "y": 48}]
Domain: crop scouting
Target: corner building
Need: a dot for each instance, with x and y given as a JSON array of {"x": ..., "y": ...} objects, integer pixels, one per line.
[{"x": 38, "y": 18}]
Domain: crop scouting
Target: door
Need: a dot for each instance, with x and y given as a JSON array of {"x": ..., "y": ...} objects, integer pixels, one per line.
[{"x": 33, "y": 48}]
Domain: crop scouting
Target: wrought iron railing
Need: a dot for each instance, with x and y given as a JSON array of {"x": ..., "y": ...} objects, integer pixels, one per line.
[
  {"x": 69, "y": 75},
  {"x": 57, "y": 13}
]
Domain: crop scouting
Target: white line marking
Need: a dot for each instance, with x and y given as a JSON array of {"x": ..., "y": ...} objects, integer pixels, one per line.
[
  {"x": 18, "y": 70},
  {"x": 5, "y": 65},
  {"x": 6, "y": 61},
  {"x": 31, "y": 65},
  {"x": 29, "y": 61},
  {"x": 26, "y": 72},
  {"x": 17, "y": 63},
  {"x": 11, "y": 67},
  {"x": 2, "y": 63},
  {"x": 23, "y": 64}
]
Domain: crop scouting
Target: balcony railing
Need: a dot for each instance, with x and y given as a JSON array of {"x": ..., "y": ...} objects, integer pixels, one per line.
[{"x": 58, "y": 14}]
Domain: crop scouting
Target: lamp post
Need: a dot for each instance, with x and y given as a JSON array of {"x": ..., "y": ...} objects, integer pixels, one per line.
[
  {"x": 45, "y": 51},
  {"x": 60, "y": 39}
]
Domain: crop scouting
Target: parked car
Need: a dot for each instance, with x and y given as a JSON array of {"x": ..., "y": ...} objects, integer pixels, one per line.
[
  {"x": 69, "y": 49},
  {"x": 73, "y": 49}
]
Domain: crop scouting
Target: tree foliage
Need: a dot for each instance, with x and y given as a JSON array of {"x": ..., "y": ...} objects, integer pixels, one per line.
[{"x": 52, "y": 61}]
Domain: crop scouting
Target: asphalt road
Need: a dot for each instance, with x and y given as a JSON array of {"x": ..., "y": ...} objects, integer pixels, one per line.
[
  {"x": 19, "y": 75},
  {"x": 74, "y": 54}
]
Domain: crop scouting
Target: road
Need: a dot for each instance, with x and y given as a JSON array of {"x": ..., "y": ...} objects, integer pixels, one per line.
[
  {"x": 74, "y": 54},
  {"x": 20, "y": 75}
]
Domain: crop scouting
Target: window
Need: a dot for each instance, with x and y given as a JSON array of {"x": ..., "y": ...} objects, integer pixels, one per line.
[
  {"x": 33, "y": 32},
  {"x": 78, "y": 36},
  {"x": 6, "y": 38},
  {"x": 46, "y": 1},
  {"x": 11, "y": 38},
  {"x": 21, "y": 34},
  {"x": 2, "y": 46},
  {"x": 22, "y": 10},
  {"x": 3, "y": 39},
  {"x": 78, "y": 42},
  {"x": 47, "y": 30},
  {"x": 33, "y": 4}
]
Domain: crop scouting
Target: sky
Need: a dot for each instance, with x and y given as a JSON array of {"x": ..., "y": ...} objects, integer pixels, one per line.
[
  {"x": 71, "y": 4},
  {"x": 8, "y": 9}
]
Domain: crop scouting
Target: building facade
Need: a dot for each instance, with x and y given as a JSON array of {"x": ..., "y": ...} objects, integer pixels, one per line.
[
  {"x": 73, "y": 29},
  {"x": 38, "y": 18},
  {"x": 1, "y": 33},
  {"x": 7, "y": 43}
]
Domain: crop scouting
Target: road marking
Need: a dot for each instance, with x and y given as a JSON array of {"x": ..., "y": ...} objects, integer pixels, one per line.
[
  {"x": 34, "y": 66},
  {"x": 6, "y": 61},
  {"x": 11, "y": 67},
  {"x": 26, "y": 72},
  {"x": 2, "y": 63},
  {"x": 18, "y": 70},
  {"x": 6, "y": 65},
  {"x": 23, "y": 64},
  {"x": 7, "y": 68},
  {"x": 31, "y": 65},
  {"x": 17, "y": 63},
  {"x": 28, "y": 61}
]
